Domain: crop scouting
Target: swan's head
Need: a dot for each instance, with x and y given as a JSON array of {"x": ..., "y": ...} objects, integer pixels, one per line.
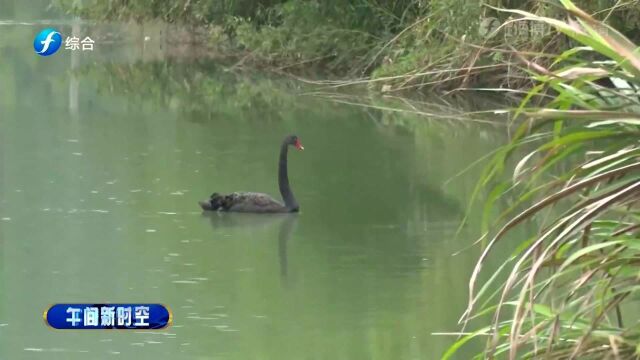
[{"x": 294, "y": 141}]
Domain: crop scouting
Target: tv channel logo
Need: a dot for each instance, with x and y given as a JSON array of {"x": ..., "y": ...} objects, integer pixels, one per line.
[{"x": 47, "y": 42}]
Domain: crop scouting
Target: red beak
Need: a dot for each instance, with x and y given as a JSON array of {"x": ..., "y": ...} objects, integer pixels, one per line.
[{"x": 298, "y": 145}]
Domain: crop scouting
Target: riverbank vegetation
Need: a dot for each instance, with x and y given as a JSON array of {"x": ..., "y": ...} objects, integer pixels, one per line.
[
  {"x": 392, "y": 45},
  {"x": 571, "y": 290}
]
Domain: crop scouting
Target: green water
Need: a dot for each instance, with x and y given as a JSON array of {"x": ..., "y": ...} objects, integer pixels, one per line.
[{"x": 106, "y": 153}]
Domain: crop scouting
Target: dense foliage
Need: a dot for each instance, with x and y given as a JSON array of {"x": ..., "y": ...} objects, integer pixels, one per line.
[{"x": 405, "y": 44}]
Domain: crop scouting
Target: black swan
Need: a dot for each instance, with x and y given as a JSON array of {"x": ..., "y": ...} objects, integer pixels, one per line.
[{"x": 259, "y": 202}]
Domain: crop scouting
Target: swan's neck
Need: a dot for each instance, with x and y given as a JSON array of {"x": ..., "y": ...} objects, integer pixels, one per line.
[{"x": 283, "y": 180}]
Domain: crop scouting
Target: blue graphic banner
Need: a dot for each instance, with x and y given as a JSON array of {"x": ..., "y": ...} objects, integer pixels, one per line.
[{"x": 108, "y": 316}]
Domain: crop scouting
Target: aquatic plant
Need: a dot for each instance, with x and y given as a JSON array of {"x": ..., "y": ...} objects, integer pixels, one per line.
[{"x": 571, "y": 290}]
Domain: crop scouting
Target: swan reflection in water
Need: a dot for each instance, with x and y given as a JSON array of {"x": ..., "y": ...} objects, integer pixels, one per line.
[{"x": 260, "y": 222}]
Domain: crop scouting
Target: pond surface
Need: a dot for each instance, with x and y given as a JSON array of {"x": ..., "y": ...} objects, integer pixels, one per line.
[{"x": 106, "y": 153}]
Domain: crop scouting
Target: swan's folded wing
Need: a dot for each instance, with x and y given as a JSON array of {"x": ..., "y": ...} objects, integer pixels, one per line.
[{"x": 254, "y": 202}]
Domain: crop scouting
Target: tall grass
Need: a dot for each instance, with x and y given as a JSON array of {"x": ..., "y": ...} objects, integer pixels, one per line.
[{"x": 572, "y": 290}]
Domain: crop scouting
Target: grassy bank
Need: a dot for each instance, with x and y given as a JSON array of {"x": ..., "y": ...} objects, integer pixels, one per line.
[
  {"x": 571, "y": 290},
  {"x": 402, "y": 45}
]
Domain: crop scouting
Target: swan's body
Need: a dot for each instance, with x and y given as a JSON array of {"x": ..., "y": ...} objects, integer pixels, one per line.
[
  {"x": 244, "y": 202},
  {"x": 258, "y": 202}
]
